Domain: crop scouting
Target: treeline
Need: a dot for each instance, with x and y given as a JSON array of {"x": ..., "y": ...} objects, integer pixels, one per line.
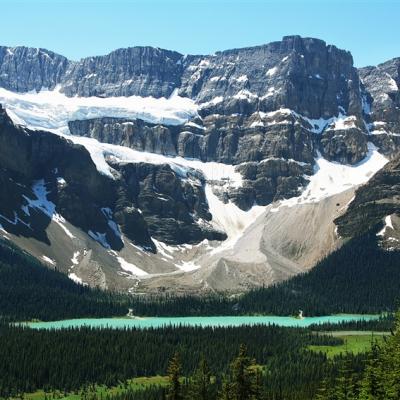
[
  {"x": 68, "y": 360},
  {"x": 382, "y": 324}
]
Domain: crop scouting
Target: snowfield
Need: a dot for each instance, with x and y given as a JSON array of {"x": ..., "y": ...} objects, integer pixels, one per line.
[{"x": 51, "y": 110}]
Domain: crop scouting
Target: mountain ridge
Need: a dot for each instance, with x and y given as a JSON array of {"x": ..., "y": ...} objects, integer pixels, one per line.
[{"x": 246, "y": 141}]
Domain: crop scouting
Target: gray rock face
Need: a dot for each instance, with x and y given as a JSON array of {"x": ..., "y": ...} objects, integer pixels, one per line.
[
  {"x": 136, "y": 134},
  {"x": 268, "y": 110},
  {"x": 347, "y": 146},
  {"x": 174, "y": 207},
  {"x": 268, "y": 181},
  {"x": 302, "y": 74},
  {"x": 23, "y": 69},
  {"x": 222, "y": 140},
  {"x": 382, "y": 100},
  {"x": 277, "y": 101},
  {"x": 228, "y": 139},
  {"x": 305, "y": 75},
  {"x": 140, "y": 71}
]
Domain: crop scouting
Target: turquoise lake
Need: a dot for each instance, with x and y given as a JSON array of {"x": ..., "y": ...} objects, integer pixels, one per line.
[{"x": 121, "y": 323}]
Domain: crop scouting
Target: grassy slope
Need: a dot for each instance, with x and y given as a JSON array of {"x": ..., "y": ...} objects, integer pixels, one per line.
[
  {"x": 134, "y": 384},
  {"x": 354, "y": 342}
]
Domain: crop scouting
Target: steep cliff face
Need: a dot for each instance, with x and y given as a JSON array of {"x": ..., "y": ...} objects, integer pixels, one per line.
[
  {"x": 54, "y": 179},
  {"x": 139, "y": 71},
  {"x": 302, "y": 74},
  {"x": 382, "y": 103},
  {"x": 265, "y": 157},
  {"x": 23, "y": 69}
]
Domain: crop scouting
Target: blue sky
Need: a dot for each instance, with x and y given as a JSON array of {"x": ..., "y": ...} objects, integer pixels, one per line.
[{"x": 370, "y": 29}]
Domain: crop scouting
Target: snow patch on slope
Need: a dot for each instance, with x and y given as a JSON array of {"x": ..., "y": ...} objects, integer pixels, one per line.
[
  {"x": 187, "y": 266},
  {"x": 181, "y": 166},
  {"x": 133, "y": 269},
  {"x": 388, "y": 224},
  {"x": 100, "y": 238},
  {"x": 332, "y": 178},
  {"x": 272, "y": 71},
  {"x": 46, "y": 206},
  {"x": 48, "y": 260},
  {"x": 76, "y": 279},
  {"x": 230, "y": 218}
]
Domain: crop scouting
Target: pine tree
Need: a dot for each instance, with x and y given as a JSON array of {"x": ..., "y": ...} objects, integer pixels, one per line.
[
  {"x": 244, "y": 383},
  {"x": 174, "y": 375},
  {"x": 371, "y": 385},
  {"x": 257, "y": 390},
  {"x": 325, "y": 392},
  {"x": 201, "y": 386},
  {"x": 225, "y": 392},
  {"x": 344, "y": 388}
]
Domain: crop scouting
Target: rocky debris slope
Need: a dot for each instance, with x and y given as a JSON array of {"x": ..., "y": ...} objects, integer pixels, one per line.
[{"x": 276, "y": 246}]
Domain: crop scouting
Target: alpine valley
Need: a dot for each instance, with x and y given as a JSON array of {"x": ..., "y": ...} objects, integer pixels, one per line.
[{"x": 148, "y": 171}]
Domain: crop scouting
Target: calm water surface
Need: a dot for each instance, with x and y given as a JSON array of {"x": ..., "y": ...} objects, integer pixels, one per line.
[{"x": 120, "y": 323}]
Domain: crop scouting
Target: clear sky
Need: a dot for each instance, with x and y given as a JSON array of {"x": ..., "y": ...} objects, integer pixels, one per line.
[{"x": 370, "y": 29}]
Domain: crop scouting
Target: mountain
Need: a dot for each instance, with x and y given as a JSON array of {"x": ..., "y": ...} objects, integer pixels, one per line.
[{"x": 147, "y": 170}]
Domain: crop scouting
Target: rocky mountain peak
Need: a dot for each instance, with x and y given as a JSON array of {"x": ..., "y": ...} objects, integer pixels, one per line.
[{"x": 165, "y": 164}]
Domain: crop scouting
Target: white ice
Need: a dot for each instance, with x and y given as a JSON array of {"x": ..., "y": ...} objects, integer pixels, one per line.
[
  {"x": 76, "y": 279},
  {"x": 332, "y": 178},
  {"x": 50, "y": 109},
  {"x": 271, "y": 71}
]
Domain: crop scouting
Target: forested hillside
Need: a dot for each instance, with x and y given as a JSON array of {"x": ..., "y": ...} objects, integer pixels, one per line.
[
  {"x": 28, "y": 290},
  {"x": 360, "y": 277},
  {"x": 71, "y": 359}
]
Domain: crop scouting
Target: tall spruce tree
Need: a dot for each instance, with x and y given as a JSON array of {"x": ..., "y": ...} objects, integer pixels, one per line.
[
  {"x": 174, "y": 375},
  {"x": 344, "y": 388},
  {"x": 201, "y": 387},
  {"x": 244, "y": 380},
  {"x": 372, "y": 385}
]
